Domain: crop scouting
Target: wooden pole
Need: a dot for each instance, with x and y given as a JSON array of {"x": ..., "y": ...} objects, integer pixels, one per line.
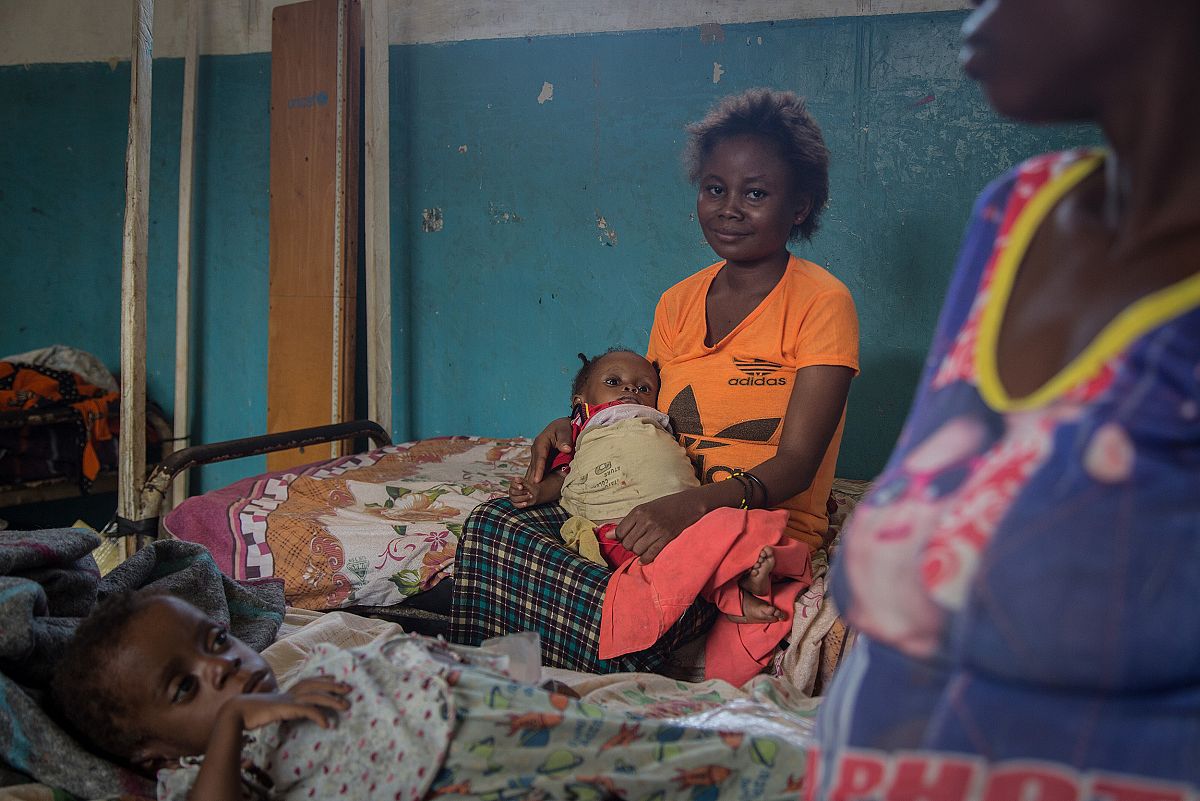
[
  {"x": 339, "y": 227},
  {"x": 132, "y": 458},
  {"x": 183, "y": 279},
  {"x": 377, "y": 221}
]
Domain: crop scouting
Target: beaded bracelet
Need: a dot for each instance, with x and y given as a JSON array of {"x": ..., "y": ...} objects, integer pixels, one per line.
[
  {"x": 762, "y": 487},
  {"x": 738, "y": 476},
  {"x": 749, "y": 479}
]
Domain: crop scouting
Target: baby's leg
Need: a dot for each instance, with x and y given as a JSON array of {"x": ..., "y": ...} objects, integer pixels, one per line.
[{"x": 611, "y": 548}]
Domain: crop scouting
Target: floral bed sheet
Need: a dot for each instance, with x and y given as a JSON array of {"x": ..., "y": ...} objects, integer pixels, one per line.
[{"x": 373, "y": 528}]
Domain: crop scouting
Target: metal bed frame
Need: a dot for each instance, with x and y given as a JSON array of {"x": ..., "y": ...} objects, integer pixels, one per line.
[
  {"x": 54, "y": 488},
  {"x": 430, "y": 612},
  {"x": 153, "y": 491}
]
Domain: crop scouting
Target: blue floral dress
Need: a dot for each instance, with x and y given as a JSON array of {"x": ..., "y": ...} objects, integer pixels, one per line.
[{"x": 1026, "y": 571}]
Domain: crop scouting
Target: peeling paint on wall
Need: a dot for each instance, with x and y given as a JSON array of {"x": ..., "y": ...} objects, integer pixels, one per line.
[
  {"x": 547, "y": 92},
  {"x": 500, "y": 215},
  {"x": 891, "y": 237},
  {"x": 718, "y": 71},
  {"x": 431, "y": 220},
  {"x": 608, "y": 235},
  {"x": 712, "y": 33}
]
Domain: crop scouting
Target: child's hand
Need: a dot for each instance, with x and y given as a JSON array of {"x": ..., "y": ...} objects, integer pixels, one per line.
[
  {"x": 524, "y": 493},
  {"x": 318, "y": 699}
]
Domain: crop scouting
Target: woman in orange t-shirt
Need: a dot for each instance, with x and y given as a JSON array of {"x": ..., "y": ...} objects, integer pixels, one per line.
[{"x": 756, "y": 354}]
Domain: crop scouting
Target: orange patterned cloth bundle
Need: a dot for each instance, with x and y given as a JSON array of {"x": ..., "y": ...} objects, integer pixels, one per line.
[{"x": 26, "y": 387}]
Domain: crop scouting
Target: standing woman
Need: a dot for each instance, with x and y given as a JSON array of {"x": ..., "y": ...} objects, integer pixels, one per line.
[
  {"x": 1026, "y": 572},
  {"x": 756, "y": 354}
]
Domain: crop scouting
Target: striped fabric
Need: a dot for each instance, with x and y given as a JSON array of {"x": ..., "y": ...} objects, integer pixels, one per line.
[{"x": 512, "y": 573}]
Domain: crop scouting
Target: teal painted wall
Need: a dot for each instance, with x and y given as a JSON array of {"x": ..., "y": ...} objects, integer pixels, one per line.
[
  {"x": 491, "y": 309},
  {"x": 62, "y": 201},
  {"x": 520, "y": 279}
]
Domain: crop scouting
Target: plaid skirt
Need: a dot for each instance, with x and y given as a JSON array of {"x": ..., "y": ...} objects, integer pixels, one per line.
[{"x": 512, "y": 573}]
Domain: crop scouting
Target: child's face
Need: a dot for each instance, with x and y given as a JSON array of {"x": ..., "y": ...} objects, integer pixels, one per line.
[
  {"x": 748, "y": 203},
  {"x": 178, "y": 667},
  {"x": 621, "y": 376}
]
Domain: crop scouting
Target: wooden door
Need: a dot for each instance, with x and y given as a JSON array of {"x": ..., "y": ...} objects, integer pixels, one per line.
[{"x": 315, "y": 128}]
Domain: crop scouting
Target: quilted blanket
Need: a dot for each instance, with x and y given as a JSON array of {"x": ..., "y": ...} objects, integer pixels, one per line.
[
  {"x": 373, "y": 528},
  {"x": 48, "y": 582}
]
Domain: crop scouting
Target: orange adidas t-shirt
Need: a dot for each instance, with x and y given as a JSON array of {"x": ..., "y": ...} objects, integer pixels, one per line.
[{"x": 728, "y": 401}]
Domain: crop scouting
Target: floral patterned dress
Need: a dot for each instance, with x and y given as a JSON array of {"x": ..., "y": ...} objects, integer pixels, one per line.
[
  {"x": 1026, "y": 571},
  {"x": 429, "y": 720}
]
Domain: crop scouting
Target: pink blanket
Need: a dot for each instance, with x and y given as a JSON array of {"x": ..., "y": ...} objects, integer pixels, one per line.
[{"x": 706, "y": 561}]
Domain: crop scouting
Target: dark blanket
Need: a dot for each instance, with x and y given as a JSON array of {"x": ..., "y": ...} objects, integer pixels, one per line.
[{"x": 48, "y": 582}]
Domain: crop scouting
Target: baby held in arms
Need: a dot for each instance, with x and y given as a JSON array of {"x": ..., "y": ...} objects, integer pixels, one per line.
[{"x": 625, "y": 454}]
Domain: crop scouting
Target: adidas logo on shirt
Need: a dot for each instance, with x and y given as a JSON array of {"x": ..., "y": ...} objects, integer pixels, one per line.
[{"x": 757, "y": 373}]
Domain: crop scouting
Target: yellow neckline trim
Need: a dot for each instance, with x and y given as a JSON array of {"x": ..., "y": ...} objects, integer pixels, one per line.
[{"x": 1132, "y": 322}]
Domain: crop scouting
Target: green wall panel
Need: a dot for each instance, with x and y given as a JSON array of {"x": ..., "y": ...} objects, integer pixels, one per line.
[
  {"x": 62, "y": 205},
  {"x": 519, "y": 278},
  {"x": 490, "y": 309}
]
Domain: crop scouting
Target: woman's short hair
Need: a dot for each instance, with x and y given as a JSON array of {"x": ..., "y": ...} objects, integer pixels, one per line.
[{"x": 84, "y": 691}]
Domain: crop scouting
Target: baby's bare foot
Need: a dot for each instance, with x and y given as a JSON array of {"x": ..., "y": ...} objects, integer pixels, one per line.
[
  {"x": 757, "y": 580},
  {"x": 756, "y": 610}
]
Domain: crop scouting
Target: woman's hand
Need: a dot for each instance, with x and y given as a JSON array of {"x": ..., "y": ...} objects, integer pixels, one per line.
[
  {"x": 814, "y": 411},
  {"x": 649, "y": 527},
  {"x": 318, "y": 699},
  {"x": 555, "y": 438}
]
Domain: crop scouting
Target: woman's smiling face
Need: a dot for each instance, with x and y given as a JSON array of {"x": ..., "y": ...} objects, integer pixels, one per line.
[{"x": 748, "y": 202}]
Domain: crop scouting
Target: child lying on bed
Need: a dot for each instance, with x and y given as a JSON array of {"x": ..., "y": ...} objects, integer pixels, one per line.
[
  {"x": 151, "y": 679},
  {"x": 625, "y": 454}
]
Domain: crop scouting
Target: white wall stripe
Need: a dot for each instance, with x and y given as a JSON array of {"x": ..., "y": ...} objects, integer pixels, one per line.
[{"x": 65, "y": 31}]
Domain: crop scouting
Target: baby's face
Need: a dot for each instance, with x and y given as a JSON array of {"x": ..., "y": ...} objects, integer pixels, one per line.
[
  {"x": 621, "y": 377},
  {"x": 178, "y": 667}
]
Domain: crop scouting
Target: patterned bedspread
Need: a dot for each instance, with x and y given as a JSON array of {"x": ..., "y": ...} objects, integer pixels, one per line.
[{"x": 372, "y": 528}]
